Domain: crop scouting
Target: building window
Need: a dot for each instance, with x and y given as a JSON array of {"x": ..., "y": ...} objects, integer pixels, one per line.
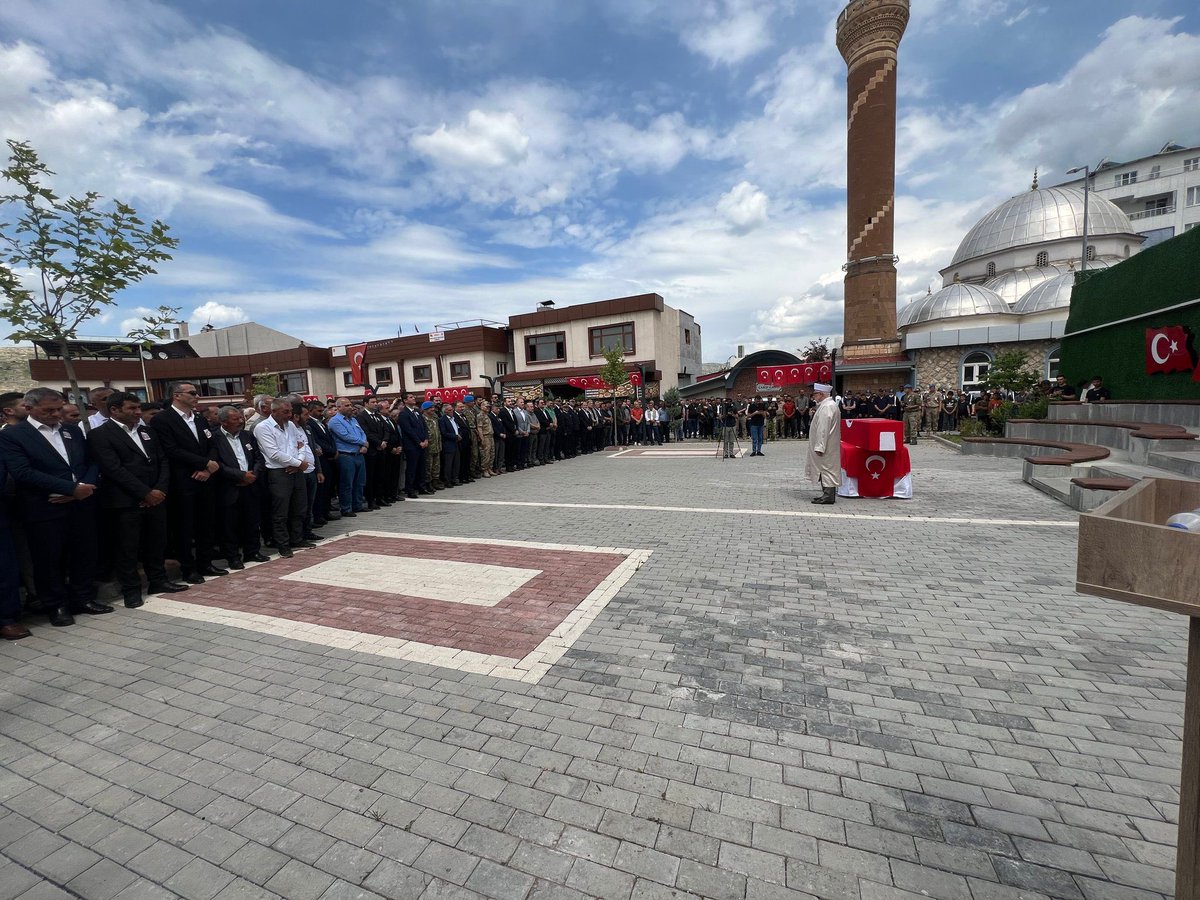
[
  {"x": 975, "y": 369},
  {"x": 1192, "y": 165},
  {"x": 1193, "y": 196},
  {"x": 687, "y": 335},
  {"x": 1125, "y": 178},
  {"x": 546, "y": 347},
  {"x": 459, "y": 370},
  {"x": 348, "y": 379},
  {"x": 139, "y": 391},
  {"x": 422, "y": 373},
  {"x": 230, "y": 386},
  {"x": 991, "y": 270},
  {"x": 1154, "y": 171},
  {"x": 1043, "y": 259},
  {"x": 1190, "y": 226},
  {"x": 383, "y": 375},
  {"x": 603, "y": 337},
  {"x": 1091, "y": 252},
  {"x": 1052, "y": 362},
  {"x": 295, "y": 382},
  {"x": 1127, "y": 251},
  {"x": 501, "y": 368}
]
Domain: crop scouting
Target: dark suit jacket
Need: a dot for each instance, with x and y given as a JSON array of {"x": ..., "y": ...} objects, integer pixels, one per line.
[
  {"x": 320, "y": 436},
  {"x": 128, "y": 475},
  {"x": 449, "y": 438},
  {"x": 38, "y": 471},
  {"x": 373, "y": 427},
  {"x": 187, "y": 452},
  {"x": 509, "y": 420},
  {"x": 413, "y": 429},
  {"x": 229, "y": 476}
]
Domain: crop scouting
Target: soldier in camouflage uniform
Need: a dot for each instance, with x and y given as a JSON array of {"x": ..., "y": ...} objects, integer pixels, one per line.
[
  {"x": 486, "y": 442},
  {"x": 433, "y": 453},
  {"x": 471, "y": 415},
  {"x": 912, "y": 414}
]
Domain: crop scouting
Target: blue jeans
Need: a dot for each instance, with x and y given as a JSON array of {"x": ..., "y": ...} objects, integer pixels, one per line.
[
  {"x": 756, "y": 438},
  {"x": 352, "y": 468}
]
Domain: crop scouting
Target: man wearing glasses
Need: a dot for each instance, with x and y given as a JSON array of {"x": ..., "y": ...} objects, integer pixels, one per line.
[{"x": 186, "y": 439}]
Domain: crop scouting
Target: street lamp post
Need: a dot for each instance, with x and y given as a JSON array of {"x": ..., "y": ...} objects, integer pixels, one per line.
[{"x": 1087, "y": 180}]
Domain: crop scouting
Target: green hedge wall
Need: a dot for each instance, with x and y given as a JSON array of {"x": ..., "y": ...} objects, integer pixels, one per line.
[{"x": 1164, "y": 275}]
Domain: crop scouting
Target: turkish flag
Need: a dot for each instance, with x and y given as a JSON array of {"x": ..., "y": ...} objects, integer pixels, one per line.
[
  {"x": 428, "y": 393},
  {"x": 1167, "y": 350},
  {"x": 765, "y": 375},
  {"x": 635, "y": 378},
  {"x": 597, "y": 381},
  {"x": 573, "y": 382},
  {"x": 825, "y": 372},
  {"x": 795, "y": 375},
  {"x": 358, "y": 356}
]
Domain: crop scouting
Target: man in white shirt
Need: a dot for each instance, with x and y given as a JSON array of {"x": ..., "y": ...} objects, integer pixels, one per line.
[
  {"x": 99, "y": 399},
  {"x": 288, "y": 456}
]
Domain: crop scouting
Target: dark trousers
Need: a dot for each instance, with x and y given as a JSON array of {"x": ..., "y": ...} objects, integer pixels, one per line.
[
  {"x": 289, "y": 499},
  {"x": 10, "y": 597},
  {"x": 543, "y": 451},
  {"x": 510, "y": 451},
  {"x": 450, "y": 464},
  {"x": 498, "y": 448},
  {"x": 465, "y": 451},
  {"x": 373, "y": 492},
  {"x": 393, "y": 474},
  {"x": 64, "y": 557},
  {"x": 414, "y": 469},
  {"x": 310, "y": 494},
  {"x": 240, "y": 524},
  {"x": 190, "y": 520},
  {"x": 325, "y": 489},
  {"x": 522, "y": 451},
  {"x": 137, "y": 533}
]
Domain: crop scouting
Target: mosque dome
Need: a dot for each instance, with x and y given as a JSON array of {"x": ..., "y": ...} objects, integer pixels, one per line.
[
  {"x": 1016, "y": 283},
  {"x": 1054, "y": 293},
  {"x": 952, "y": 302},
  {"x": 1040, "y": 215}
]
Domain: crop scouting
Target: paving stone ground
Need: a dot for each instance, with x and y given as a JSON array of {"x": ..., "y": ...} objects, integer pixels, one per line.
[{"x": 881, "y": 700}]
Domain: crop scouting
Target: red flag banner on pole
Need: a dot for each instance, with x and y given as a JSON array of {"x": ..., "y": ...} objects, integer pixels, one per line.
[
  {"x": 765, "y": 375},
  {"x": 825, "y": 372},
  {"x": 358, "y": 357},
  {"x": 1167, "y": 350},
  {"x": 635, "y": 378}
]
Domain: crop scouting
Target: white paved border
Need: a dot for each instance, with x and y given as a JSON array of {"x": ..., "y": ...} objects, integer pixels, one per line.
[
  {"x": 664, "y": 453},
  {"x": 529, "y": 668}
]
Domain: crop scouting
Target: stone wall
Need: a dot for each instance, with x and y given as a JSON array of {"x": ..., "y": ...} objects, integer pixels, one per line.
[
  {"x": 941, "y": 366},
  {"x": 14, "y": 369}
]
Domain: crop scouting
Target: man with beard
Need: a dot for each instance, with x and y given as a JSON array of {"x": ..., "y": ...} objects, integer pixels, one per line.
[{"x": 825, "y": 445}]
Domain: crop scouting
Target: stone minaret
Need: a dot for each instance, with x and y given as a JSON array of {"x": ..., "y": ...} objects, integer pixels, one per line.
[{"x": 868, "y": 36}]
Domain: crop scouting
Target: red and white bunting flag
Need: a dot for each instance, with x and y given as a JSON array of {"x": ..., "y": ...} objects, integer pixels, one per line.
[
  {"x": 765, "y": 375},
  {"x": 825, "y": 372},
  {"x": 358, "y": 356},
  {"x": 635, "y": 378},
  {"x": 1167, "y": 350}
]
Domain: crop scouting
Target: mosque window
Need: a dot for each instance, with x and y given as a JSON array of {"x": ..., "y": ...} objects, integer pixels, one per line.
[
  {"x": 975, "y": 368},
  {"x": 1053, "y": 361},
  {"x": 1125, "y": 178},
  {"x": 991, "y": 270},
  {"x": 1091, "y": 251},
  {"x": 1127, "y": 251},
  {"x": 1191, "y": 165},
  {"x": 1043, "y": 259}
]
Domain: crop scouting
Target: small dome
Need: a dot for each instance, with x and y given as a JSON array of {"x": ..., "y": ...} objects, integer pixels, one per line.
[
  {"x": 953, "y": 302},
  {"x": 1049, "y": 214},
  {"x": 1016, "y": 283},
  {"x": 1054, "y": 293}
]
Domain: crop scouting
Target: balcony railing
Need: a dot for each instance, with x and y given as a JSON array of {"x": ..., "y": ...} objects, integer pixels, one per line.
[{"x": 1151, "y": 213}]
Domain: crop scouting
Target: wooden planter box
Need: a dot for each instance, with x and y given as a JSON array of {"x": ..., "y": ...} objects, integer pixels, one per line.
[{"x": 1126, "y": 551}]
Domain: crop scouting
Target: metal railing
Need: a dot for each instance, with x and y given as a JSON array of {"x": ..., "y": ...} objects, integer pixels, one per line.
[{"x": 1151, "y": 213}]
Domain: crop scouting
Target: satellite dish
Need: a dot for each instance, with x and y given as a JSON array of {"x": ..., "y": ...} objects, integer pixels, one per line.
[
  {"x": 146, "y": 354},
  {"x": 162, "y": 354}
]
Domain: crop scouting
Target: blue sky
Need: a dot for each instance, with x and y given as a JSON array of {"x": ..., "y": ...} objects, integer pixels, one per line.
[{"x": 341, "y": 171}]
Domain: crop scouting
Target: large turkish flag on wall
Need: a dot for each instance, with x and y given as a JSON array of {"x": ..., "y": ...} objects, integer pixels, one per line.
[{"x": 1167, "y": 350}]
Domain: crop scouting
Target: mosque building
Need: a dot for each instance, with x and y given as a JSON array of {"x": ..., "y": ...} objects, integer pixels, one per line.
[{"x": 1009, "y": 285}]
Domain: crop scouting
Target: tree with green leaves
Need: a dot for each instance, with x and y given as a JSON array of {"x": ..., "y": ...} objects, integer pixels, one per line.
[
  {"x": 816, "y": 350},
  {"x": 62, "y": 261},
  {"x": 614, "y": 374},
  {"x": 155, "y": 326},
  {"x": 1010, "y": 371},
  {"x": 674, "y": 408}
]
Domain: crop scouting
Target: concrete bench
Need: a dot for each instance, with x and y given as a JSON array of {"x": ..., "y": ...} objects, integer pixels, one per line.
[
  {"x": 1067, "y": 453},
  {"x": 1104, "y": 484},
  {"x": 1151, "y": 431}
]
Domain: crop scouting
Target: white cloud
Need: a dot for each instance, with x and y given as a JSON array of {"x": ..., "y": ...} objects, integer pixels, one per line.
[
  {"x": 485, "y": 140},
  {"x": 219, "y": 314},
  {"x": 744, "y": 207},
  {"x": 730, "y": 39},
  {"x": 135, "y": 322}
]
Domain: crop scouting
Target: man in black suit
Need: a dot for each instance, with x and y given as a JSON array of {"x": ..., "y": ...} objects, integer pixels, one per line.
[
  {"x": 451, "y": 433},
  {"x": 393, "y": 461},
  {"x": 55, "y": 478},
  {"x": 415, "y": 435},
  {"x": 10, "y": 595},
  {"x": 377, "y": 448},
  {"x": 133, "y": 496},
  {"x": 186, "y": 438},
  {"x": 325, "y": 450},
  {"x": 237, "y": 501}
]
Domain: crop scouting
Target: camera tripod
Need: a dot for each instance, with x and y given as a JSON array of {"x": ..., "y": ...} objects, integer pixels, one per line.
[{"x": 737, "y": 443}]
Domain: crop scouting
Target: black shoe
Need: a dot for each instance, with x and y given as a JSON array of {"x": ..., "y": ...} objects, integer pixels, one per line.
[
  {"x": 313, "y": 538},
  {"x": 411, "y": 495},
  {"x": 321, "y": 523},
  {"x": 236, "y": 564},
  {"x": 334, "y": 516},
  {"x": 398, "y": 500},
  {"x": 383, "y": 503},
  {"x": 304, "y": 545},
  {"x": 372, "y": 507},
  {"x": 349, "y": 515},
  {"x": 285, "y": 552},
  {"x": 210, "y": 569},
  {"x": 133, "y": 601},
  {"x": 92, "y": 608},
  {"x": 166, "y": 587},
  {"x": 257, "y": 557},
  {"x": 194, "y": 578},
  {"x": 61, "y": 617}
]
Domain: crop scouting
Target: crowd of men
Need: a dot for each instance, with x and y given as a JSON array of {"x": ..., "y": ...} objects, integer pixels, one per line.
[{"x": 116, "y": 495}]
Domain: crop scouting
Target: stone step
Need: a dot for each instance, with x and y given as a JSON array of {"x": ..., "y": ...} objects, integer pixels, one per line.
[
  {"x": 1177, "y": 462},
  {"x": 1183, "y": 413},
  {"x": 1058, "y": 488}
]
